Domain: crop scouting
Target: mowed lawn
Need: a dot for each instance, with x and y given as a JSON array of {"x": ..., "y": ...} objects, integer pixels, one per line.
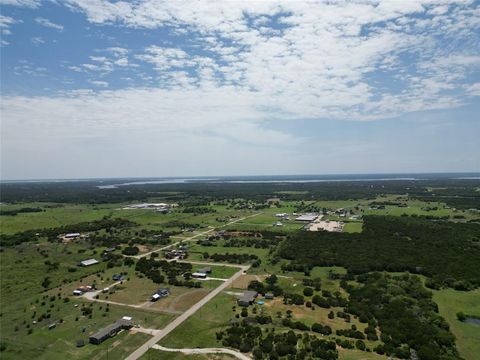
[{"x": 450, "y": 302}]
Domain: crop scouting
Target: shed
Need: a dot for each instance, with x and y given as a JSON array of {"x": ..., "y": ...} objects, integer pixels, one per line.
[
  {"x": 88, "y": 262},
  {"x": 269, "y": 296}
]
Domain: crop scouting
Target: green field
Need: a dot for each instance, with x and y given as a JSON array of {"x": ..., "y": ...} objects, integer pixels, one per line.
[{"x": 450, "y": 302}]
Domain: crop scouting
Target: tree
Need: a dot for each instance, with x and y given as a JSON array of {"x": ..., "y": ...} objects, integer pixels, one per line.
[
  {"x": 308, "y": 291},
  {"x": 360, "y": 345},
  {"x": 461, "y": 316}
]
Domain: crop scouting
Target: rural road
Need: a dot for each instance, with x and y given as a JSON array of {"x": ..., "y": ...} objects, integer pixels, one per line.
[
  {"x": 179, "y": 320},
  {"x": 195, "y": 236},
  {"x": 237, "y": 354}
]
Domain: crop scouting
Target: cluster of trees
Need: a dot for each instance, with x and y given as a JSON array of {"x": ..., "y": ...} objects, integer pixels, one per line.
[
  {"x": 130, "y": 250},
  {"x": 271, "y": 345},
  {"x": 113, "y": 237},
  {"x": 52, "y": 233},
  {"x": 405, "y": 314},
  {"x": 233, "y": 258},
  {"x": 270, "y": 286},
  {"x": 258, "y": 243},
  {"x": 20, "y": 211},
  {"x": 197, "y": 210},
  {"x": 445, "y": 251},
  {"x": 160, "y": 271}
]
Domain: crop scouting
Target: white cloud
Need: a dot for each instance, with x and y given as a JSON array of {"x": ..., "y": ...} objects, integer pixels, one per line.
[
  {"x": 21, "y": 3},
  {"x": 99, "y": 83},
  {"x": 37, "y": 40},
  {"x": 49, "y": 24}
]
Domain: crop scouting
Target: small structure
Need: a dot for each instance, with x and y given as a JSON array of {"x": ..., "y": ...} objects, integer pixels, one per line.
[
  {"x": 117, "y": 277},
  {"x": 309, "y": 217},
  {"x": 269, "y": 296},
  {"x": 160, "y": 293},
  {"x": 110, "y": 331},
  {"x": 205, "y": 270},
  {"x": 248, "y": 298},
  {"x": 77, "y": 292},
  {"x": 199, "y": 275},
  {"x": 71, "y": 235},
  {"x": 88, "y": 262}
]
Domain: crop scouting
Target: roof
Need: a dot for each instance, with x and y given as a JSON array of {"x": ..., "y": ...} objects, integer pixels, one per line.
[
  {"x": 307, "y": 217},
  {"x": 72, "y": 235},
  {"x": 199, "y": 274},
  {"x": 248, "y": 296},
  {"x": 106, "y": 331},
  {"x": 89, "y": 262}
]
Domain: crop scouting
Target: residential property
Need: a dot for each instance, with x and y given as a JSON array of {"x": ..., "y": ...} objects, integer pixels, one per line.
[
  {"x": 88, "y": 262},
  {"x": 111, "y": 330},
  {"x": 160, "y": 293},
  {"x": 248, "y": 298},
  {"x": 77, "y": 292},
  {"x": 269, "y": 296}
]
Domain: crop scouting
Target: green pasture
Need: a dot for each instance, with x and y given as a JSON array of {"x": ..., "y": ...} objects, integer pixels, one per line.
[{"x": 450, "y": 302}]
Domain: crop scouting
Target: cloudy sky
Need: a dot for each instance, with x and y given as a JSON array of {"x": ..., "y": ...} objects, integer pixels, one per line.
[{"x": 104, "y": 88}]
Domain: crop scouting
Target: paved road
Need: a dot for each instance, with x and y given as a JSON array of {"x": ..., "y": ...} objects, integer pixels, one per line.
[
  {"x": 191, "y": 238},
  {"x": 237, "y": 354},
  {"x": 179, "y": 320}
]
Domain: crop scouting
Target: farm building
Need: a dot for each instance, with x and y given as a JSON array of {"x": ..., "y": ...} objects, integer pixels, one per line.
[
  {"x": 111, "y": 330},
  {"x": 88, "y": 262},
  {"x": 307, "y": 217},
  {"x": 247, "y": 298},
  {"x": 160, "y": 293}
]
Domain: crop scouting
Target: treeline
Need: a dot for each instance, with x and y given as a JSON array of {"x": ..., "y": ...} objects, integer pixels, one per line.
[
  {"x": 459, "y": 193},
  {"x": 250, "y": 338},
  {"x": 52, "y": 233},
  {"x": 161, "y": 271},
  {"x": 198, "y": 210},
  {"x": 233, "y": 258},
  {"x": 446, "y": 252},
  {"x": 20, "y": 211}
]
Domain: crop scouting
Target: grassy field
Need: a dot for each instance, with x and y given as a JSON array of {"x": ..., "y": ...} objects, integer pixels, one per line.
[
  {"x": 154, "y": 354},
  {"x": 199, "y": 330},
  {"x": 450, "y": 302}
]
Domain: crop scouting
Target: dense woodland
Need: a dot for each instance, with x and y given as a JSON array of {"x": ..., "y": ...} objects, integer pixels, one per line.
[
  {"x": 461, "y": 194},
  {"x": 448, "y": 253}
]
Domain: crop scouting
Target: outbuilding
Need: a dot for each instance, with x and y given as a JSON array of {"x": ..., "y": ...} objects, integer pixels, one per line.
[
  {"x": 199, "y": 275},
  {"x": 88, "y": 262}
]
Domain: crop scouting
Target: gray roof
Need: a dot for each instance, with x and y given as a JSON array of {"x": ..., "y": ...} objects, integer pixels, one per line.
[
  {"x": 248, "y": 296},
  {"x": 115, "y": 327}
]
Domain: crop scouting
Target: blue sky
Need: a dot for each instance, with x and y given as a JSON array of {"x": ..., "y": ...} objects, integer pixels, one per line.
[{"x": 96, "y": 88}]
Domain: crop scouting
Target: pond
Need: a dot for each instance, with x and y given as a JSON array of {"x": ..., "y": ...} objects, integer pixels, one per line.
[{"x": 471, "y": 320}]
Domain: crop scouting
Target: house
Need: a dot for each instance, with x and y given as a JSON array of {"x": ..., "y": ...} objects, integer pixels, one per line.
[
  {"x": 205, "y": 270},
  {"x": 160, "y": 293},
  {"x": 199, "y": 275},
  {"x": 281, "y": 215},
  {"x": 77, "y": 292},
  {"x": 248, "y": 298},
  {"x": 117, "y": 277},
  {"x": 110, "y": 331},
  {"x": 268, "y": 296},
  {"x": 88, "y": 262}
]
